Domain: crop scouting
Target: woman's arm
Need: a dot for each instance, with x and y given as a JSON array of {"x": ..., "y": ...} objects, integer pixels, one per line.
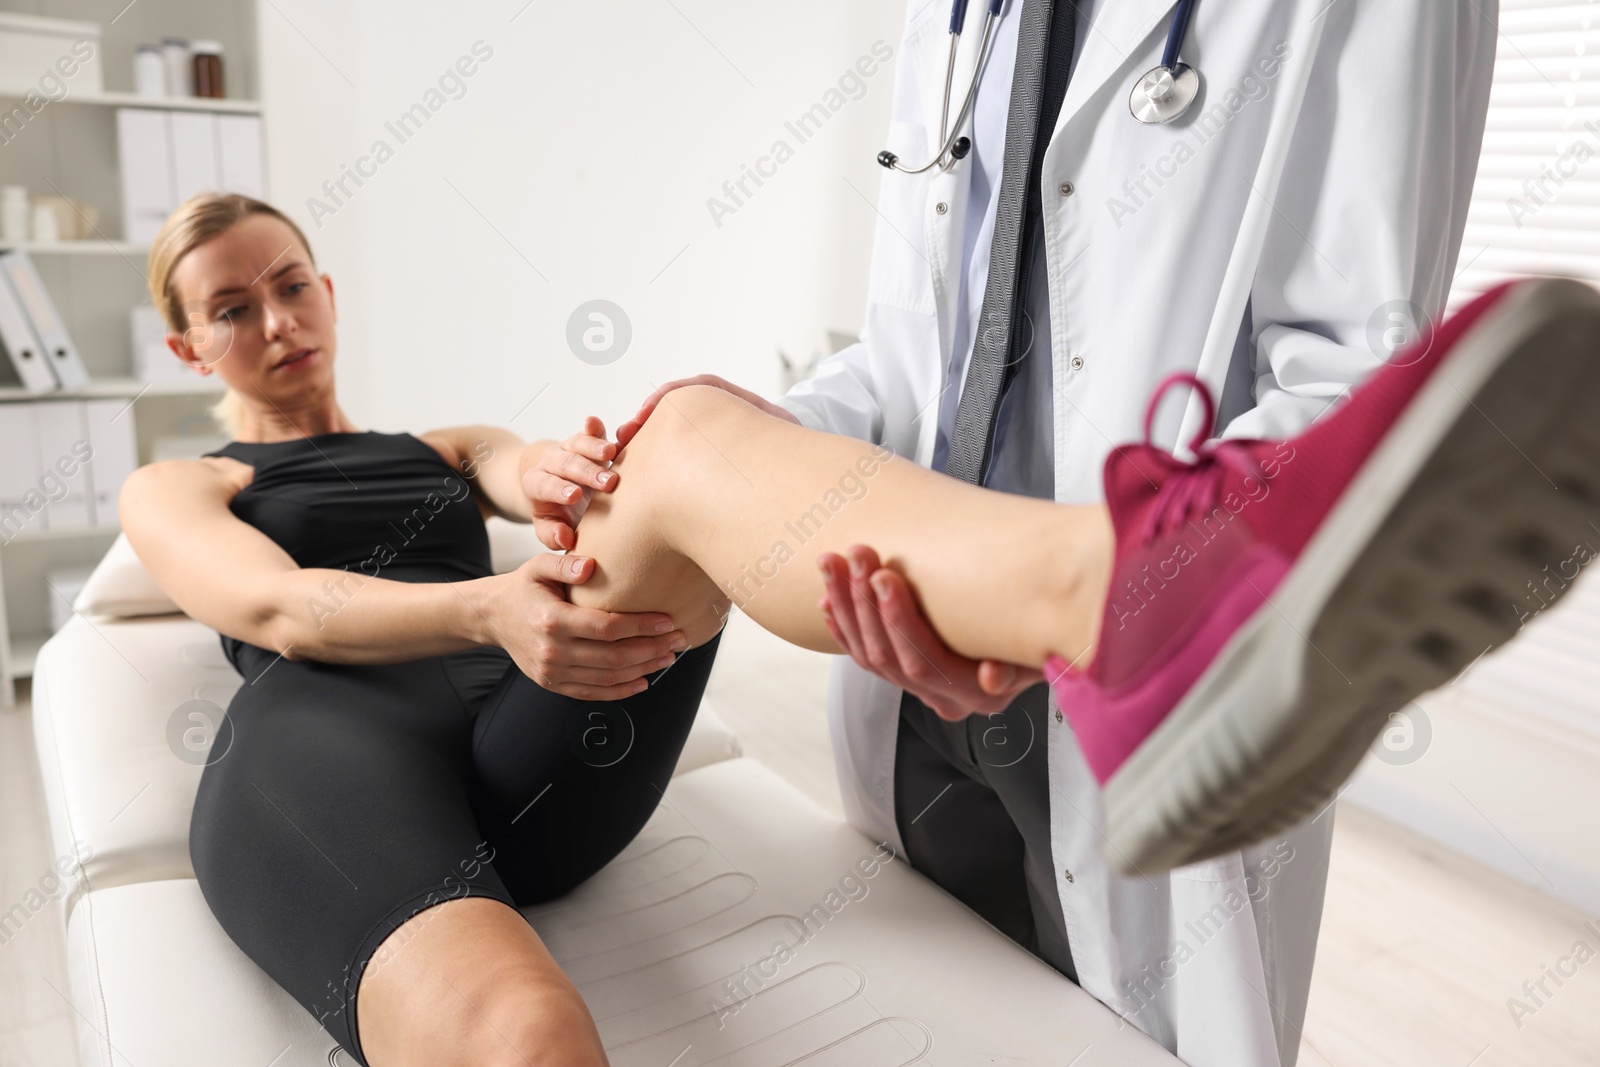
[
  {"x": 233, "y": 578},
  {"x": 493, "y": 461}
]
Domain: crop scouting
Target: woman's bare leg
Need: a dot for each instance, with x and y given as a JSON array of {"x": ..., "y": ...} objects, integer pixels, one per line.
[
  {"x": 720, "y": 503},
  {"x": 469, "y": 982}
]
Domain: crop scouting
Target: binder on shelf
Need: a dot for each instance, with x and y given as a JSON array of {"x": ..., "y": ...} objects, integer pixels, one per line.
[
  {"x": 166, "y": 157},
  {"x": 63, "y": 444},
  {"x": 241, "y": 168},
  {"x": 22, "y": 345},
  {"x": 60, "y": 352},
  {"x": 110, "y": 426},
  {"x": 22, "y": 505},
  {"x": 144, "y": 156},
  {"x": 194, "y": 153}
]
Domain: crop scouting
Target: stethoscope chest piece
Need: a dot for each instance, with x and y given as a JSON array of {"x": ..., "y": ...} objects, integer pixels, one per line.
[{"x": 1164, "y": 93}]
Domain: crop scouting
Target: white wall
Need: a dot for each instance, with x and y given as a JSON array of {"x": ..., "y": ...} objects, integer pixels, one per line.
[{"x": 584, "y": 149}]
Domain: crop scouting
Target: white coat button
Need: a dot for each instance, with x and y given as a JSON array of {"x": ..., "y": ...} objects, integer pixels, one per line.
[
  {"x": 1066, "y": 189},
  {"x": 1058, "y": 715},
  {"x": 1068, "y": 876},
  {"x": 1076, "y": 362},
  {"x": 941, "y": 207}
]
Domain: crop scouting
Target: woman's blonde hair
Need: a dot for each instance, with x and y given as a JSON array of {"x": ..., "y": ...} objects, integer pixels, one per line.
[{"x": 196, "y": 221}]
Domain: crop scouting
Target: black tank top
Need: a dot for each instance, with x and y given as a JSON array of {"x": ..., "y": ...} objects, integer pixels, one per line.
[{"x": 383, "y": 505}]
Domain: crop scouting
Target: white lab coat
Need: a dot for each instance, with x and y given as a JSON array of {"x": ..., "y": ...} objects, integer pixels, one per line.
[{"x": 1212, "y": 961}]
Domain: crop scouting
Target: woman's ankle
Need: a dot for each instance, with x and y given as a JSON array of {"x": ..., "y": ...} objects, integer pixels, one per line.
[{"x": 1080, "y": 581}]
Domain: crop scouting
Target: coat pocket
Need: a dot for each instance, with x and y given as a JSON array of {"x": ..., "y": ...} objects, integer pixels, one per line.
[{"x": 902, "y": 274}]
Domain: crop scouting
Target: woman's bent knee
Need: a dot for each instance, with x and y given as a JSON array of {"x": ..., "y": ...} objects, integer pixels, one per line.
[{"x": 468, "y": 981}]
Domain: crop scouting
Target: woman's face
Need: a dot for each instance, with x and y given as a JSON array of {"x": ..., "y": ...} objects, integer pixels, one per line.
[{"x": 257, "y": 315}]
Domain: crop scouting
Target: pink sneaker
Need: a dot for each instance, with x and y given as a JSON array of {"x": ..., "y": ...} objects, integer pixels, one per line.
[{"x": 1274, "y": 602}]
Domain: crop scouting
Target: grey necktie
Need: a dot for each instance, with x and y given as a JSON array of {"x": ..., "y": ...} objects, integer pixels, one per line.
[{"x": 1038, "y": 87}]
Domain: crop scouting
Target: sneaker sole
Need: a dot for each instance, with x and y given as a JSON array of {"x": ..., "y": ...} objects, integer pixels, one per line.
[{"x": 1491, "y": 474}]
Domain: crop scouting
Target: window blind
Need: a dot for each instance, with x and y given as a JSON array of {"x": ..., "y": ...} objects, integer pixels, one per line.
[
  {"x": 1535, "y": 207},
  {"x": 1535, "y": 210}
]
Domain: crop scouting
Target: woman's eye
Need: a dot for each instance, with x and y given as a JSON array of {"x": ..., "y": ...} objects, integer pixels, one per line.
[
  {"x": 296, "y": 287},
  {"x": 232, "y": 313}
]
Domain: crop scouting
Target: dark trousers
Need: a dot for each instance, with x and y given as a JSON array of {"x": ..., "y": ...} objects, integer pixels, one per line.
[{"x": 972, "y": 803}]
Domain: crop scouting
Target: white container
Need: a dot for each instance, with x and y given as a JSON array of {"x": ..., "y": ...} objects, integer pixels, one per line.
[
  {"x": 149, "y": 71},
  {"x": 180, "y": 72},
  {"x": 14, "y": 214},
  {"x": 32, "y": 47},
  {"x": 46, "y": 224},
  {"x": 153, "y": 361}
]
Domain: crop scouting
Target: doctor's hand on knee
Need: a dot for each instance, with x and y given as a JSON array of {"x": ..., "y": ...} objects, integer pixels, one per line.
[
  {"x": 561, "y": 484},
  {"x": 626, "y": 431},
  {"x": 585, "y": 653},
  {"x": 871, "y": 612}
]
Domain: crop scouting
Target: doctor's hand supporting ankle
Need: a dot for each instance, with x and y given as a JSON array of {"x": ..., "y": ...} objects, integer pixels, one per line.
[{"x": 873, "y": 615}]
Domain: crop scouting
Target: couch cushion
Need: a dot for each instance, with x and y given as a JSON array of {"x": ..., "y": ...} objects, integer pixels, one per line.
[
  {"x": 121, "y": 753},
  {"x": 120, "y": 586},
  {"x": 747, "y": 926},
  {"x": 155, "y": 980},
  {"x": 744, "y": 926},
  {"x": 104, "y": 694}
]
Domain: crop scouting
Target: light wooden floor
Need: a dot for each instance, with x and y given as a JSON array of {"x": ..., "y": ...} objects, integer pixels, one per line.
[{"x": 1419, "y": 949}]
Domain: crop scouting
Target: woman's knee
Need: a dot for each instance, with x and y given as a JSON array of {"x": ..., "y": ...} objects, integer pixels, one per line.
[
  {"x": 690, "y": 424},
  {"x": 701, "y": 403},
  {"x": 468, "y": 981}
]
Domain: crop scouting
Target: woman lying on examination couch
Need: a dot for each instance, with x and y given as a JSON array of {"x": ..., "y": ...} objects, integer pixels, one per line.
[{"x": 413, "y": 748}]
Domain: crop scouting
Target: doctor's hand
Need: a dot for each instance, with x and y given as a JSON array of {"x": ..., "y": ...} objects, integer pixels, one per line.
[
  {"x": 870, "y": 611},
  {"x": 626, "y": 431},
  {"x": 560, "y": 484}
]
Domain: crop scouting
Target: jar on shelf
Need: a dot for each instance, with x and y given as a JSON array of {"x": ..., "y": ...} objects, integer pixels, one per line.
[
  {"x": 175, "y": 50},
  {"x": 208, "y": 69},
  {"x": 15, "y": 212},
  {"x": 149, "y": 71}
]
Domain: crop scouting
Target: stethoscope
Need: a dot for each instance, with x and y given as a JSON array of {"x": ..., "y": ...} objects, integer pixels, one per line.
[
  {"x": 1165, "y": 92},
  {"x": 951, "y": 144}
]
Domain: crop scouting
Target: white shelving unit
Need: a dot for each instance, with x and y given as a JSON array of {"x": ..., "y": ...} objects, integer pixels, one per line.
[
  {"x": 119, "y": 99},
  {"x": 70, "y": 149},
  {"x": 120, "y": 386},
  {"x": 91, "y": 247}
]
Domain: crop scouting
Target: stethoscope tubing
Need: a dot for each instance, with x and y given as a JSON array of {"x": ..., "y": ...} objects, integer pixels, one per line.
[
  {"x": 1175, "y": 34},
  {"x": 950, "y": 135}
]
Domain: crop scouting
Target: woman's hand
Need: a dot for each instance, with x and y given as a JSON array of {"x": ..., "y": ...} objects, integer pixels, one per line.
[
  {"x": 626, "y": 431},
  {"x": 559, "y": 485},
  {"x": 583, "y": 653},
  {"x": 870, "y": 611}
]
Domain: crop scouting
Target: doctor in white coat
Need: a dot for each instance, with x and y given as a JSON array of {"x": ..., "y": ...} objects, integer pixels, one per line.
[
  {"x": 1278, "y": 241},
  {"x": 1360, "y": 233}
]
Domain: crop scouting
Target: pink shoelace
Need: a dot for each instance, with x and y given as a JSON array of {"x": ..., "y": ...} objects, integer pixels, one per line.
[{"x": 1198, "y": 487}]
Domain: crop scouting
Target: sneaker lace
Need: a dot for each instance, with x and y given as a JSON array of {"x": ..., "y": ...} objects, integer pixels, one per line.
[{"x": 1197, "y": 487}]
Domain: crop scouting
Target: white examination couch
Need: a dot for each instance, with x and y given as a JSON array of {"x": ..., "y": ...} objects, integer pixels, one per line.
[{"x": 741, "y": 928}]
